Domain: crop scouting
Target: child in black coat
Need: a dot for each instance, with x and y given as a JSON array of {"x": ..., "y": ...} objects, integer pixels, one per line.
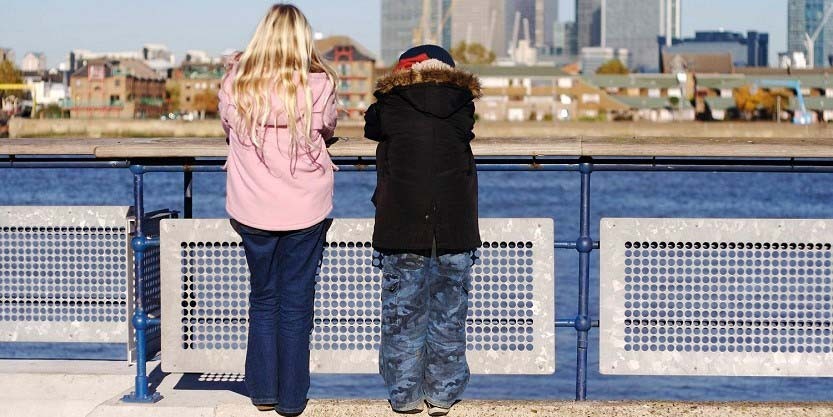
[{"x": 426, "y": 225}]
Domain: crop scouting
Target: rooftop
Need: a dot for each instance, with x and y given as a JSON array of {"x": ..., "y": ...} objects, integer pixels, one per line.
[
  {"x": 634, "y": 81},
  {"x": 326, "y": 45},
  {"x": 131, "y": 67},
  {"x": 516, "y": 71}
]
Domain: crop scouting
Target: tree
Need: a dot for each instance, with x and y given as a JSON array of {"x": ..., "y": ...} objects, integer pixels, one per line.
[
  {"x": 206, "y": 102},
  {"x": 759, "y": 103},
  {"x": 614, "y": 66},
  {"x": 9, "y": 74},
  {"x": 472, "y": 54}
]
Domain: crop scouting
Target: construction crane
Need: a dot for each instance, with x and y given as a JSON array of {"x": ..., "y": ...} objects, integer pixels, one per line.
[
  {"x": 810, "y": 40},
  {"x": 515, "y": 34},
  {"x": 423, "y": 33},
  {"x": 800, "y": 115}
]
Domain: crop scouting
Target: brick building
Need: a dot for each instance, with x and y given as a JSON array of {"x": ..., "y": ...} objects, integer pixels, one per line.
[
  {"x": 118, "y": 89},
  {"x": 355, "y": 67},
  {"x": 197, "y": 85}
]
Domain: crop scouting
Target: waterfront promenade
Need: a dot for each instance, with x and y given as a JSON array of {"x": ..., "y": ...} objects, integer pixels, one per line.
[{"x": 94, "y": 388}]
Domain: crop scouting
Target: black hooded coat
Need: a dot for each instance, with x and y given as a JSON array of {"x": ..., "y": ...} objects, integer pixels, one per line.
[{"x": 426, "y": 188}]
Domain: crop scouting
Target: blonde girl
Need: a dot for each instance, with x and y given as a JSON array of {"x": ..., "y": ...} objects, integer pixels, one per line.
[{"x": 278, "y": 107}]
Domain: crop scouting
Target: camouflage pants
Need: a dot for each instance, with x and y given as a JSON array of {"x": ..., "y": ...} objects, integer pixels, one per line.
[{"x": 423, "y": 350}]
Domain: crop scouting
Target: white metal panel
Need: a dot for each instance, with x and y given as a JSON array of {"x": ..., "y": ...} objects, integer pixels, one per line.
[
  {"x": 205, "y": 299},
  {"x": 735, "y": 297},
  {"x": 64, "y": 274}
]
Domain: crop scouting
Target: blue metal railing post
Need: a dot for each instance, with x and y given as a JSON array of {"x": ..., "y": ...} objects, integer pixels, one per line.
[
  {"x": 188, "y": 193},
  {"x": 584, "y": 245},
  {"x": 141, "y": 322}
]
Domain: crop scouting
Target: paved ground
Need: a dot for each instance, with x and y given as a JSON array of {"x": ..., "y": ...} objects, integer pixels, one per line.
[{"x": 93, "y": 388}]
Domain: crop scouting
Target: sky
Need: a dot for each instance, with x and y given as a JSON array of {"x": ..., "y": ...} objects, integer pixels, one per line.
[{"x": 57, "y": 26}]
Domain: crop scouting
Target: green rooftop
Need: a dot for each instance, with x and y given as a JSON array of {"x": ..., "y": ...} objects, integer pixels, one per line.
[
  {"x": 816, "y": 103},
  {"x": 634, "y": 81},
  {"x": 650, "y": 102},
  {"x": 720, "y": 103},
  {"x": 517, "y": 71},
  {"x": 721, "y": 81}
]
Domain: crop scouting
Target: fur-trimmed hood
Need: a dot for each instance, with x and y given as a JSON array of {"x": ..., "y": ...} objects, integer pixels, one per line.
[
  {"x": 437, "y": 91},
  {"x": 449, "y": 76}
]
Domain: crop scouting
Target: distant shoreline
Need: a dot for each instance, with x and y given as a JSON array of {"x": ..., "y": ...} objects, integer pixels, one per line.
[{"x": 99, "y": 128}]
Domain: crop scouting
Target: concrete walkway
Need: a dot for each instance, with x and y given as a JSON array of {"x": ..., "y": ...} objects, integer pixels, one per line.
[{"x": 91, "y": 388}]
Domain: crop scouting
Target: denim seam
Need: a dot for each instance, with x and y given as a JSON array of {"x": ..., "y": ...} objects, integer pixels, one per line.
[
  {"x": 291, "y": 410},
  {"x": 264, "y": 401}
]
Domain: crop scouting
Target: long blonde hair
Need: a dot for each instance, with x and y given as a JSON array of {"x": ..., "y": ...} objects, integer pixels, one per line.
[{"x": 282, "y": 46}]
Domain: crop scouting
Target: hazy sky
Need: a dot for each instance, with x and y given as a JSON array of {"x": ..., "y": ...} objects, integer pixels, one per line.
[{"x": 57, "y": 26}]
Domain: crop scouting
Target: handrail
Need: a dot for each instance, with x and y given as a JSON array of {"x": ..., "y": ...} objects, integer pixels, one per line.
[
  {"x": 556, "y": 146},
  {"x": 582, "y": 155}
]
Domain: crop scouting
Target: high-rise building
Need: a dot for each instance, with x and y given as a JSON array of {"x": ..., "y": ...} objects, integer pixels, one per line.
[
  {"x": 490, "y": 23},
  {"x": 546, "y": 18},
  {"x": 803, "y": 18},
  {"x": 564, "y": 39},
  {"x": 402, "y": 20},
  {"x": 636, "y": 24},
  {"x": 588, "y": 23},
  {"x": 526, "y": 10},
  {"x": 480, "y": 21}
]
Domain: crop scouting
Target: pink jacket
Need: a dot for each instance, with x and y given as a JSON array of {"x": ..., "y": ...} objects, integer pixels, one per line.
[{"x": 261, "y": 190}]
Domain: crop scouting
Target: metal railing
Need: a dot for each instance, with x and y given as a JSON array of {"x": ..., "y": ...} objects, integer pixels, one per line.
[{"x": 584, "y": 244}]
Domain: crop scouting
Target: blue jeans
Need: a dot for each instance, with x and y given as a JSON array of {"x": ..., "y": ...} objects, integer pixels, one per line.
[
  {"x": 283, "y": 267},
  {"x": 424, "y": 306}
]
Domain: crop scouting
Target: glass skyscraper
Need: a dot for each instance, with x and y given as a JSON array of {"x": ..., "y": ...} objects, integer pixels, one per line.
[
  {"x": 804, "y": 17},
  {"x": 588, "y": 23},
  {"x": 635, "y": 26},
  {"x": 401, "y": 17}
]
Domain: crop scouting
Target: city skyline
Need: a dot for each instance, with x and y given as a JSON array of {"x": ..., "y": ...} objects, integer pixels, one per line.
[{"x": 210, "y": 27}]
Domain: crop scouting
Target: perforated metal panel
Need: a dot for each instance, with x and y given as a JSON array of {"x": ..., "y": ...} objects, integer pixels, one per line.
[
  {"x": 64, "y": 273},
  {"x": 716, "y": 297},
  {"x": 205, "y": 299}
]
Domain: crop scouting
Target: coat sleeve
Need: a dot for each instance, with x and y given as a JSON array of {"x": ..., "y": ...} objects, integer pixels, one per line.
[
  {"x": 372, "y": 123},
  {"x": 330, "y": 116},
  {"x": 227, "y": 109}
]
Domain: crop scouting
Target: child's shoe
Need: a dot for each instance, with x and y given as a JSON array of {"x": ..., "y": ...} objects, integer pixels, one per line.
[
  {"x": 436, "y": 410},
  {"x": 415, "y": 410}
]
